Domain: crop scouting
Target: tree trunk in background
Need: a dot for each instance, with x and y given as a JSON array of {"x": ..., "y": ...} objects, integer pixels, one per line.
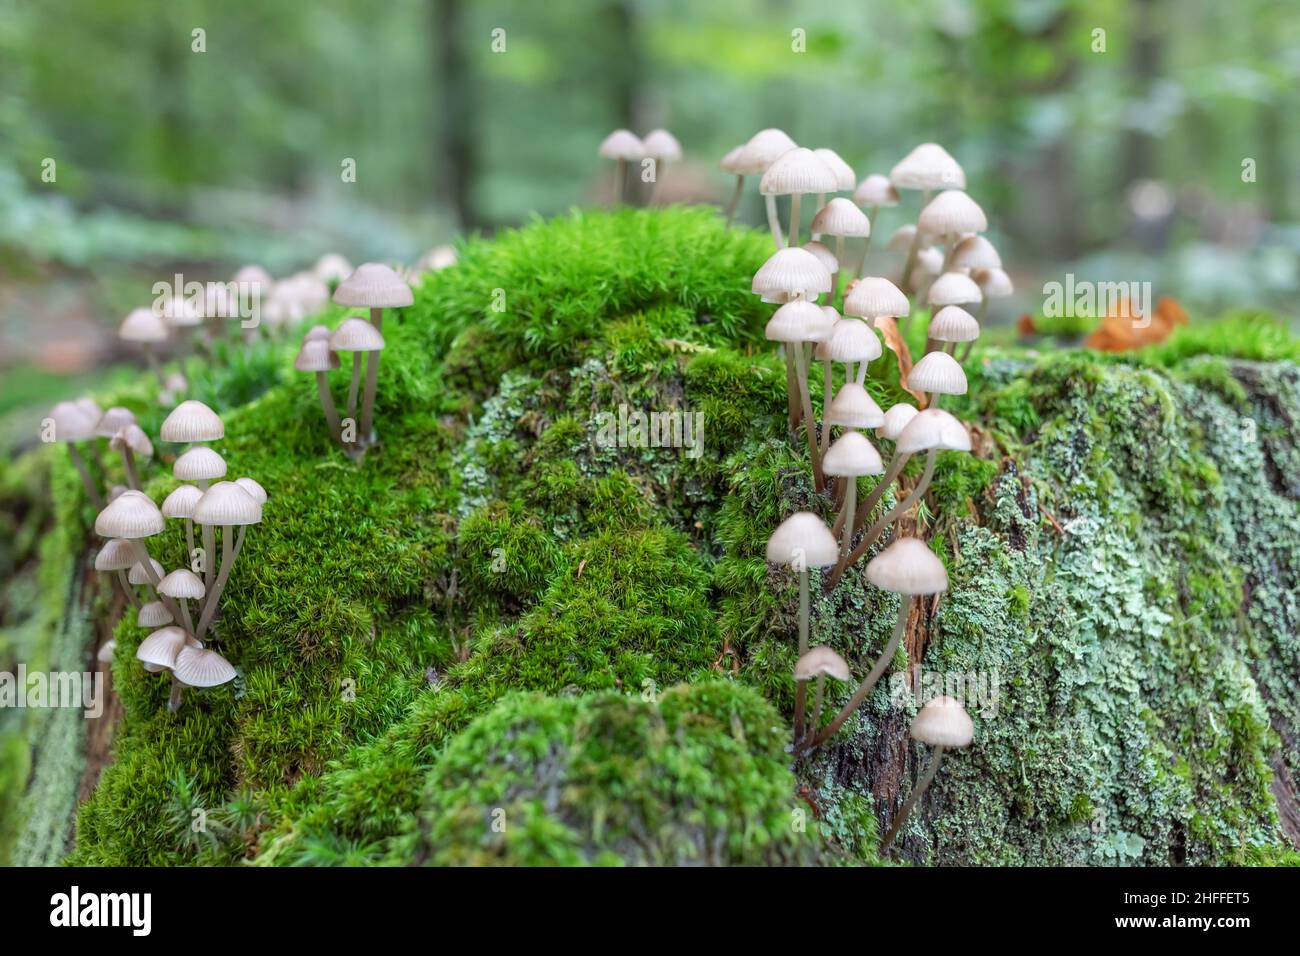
[
  {"x": 457, "y": 128},
  {"x": 624, "y": 61},
  {"x": 1143, "y": 69}
]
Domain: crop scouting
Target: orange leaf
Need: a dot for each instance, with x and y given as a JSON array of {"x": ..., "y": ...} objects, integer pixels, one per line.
[{"x": 894, "y": 342}]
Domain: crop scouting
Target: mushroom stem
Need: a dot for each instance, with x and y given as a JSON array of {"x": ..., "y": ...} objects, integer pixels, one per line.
[
  {"x": 352, "y": 389},
  {"x": 896, "y": 512},
  {"x": 810, "y": 423},
  {"x": 189, "y": 542},
  {"x": 927, "y": 778},
  {"x": 209, "y": 535},
  {"x": 882, "y": 664},
  {"x": 174, "y": 698},
  {"x": 774, "y": 221},
  {"x": 791, "y": 387},
  {"x": 794, "y": 220},
  {"x": 862, "y": 374},
  {"x": 828, "y": 392},
  {"x": 228, "y": 557},
  {"x": 127, "y": 591},
  {"x": 142, "y": 556},
  {"x": 92, "y": 492},
  {"x": 818, "y": 699},
  {"x": 979, "y": 317},
  {"x": 866, "y": 249},
  {"x": 850, "y": 502},
  {"x": 185, "y": 614},
  {"x": 910, "y": 264},
  {"x": 372, "y": 382},
  {"x": 620, "y": 175},
  {"x": 128, "y": 465},
  {"x": 735, "y": 199},
  {"x": 868, "y": 504},
  {"x": 327, "y": 405},
  {"x": 801, "y": 690},
  {"x": 835, "y": 279}
]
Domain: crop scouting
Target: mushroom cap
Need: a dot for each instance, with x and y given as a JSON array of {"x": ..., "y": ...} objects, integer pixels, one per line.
[
  {"x": 154, "y": 614},
  {"x": 116, "y": 492},
  {"x": 192, "y": 421},
  {"x": 182, "y": 312},
  {"x": 71, "y": 423},
  {"x": 994, "y": 283},
  {"x": 374, "y": 286},
  {"x": 792, "y": 271},
  {"x": 932, "y": 428},
  {"x": 315, "y": 355},
  {"x": 356, "y": 335},
  {"x": 897, "y": 417},
  {"x": 199, "y": 667},
  {"x": 254, "y": 489},
  {"x": 852, "y": 454},
  {"x": 117, "y": 554},
  {"x": 850, "y": 341},
  {"x": 182, "y": 583},
  {"x": 227, "y": 504},
  {"x": 873, "y": 297},
  {"x": 200, "y": 463},
  {"x": 89, "y": 408},
  {"x": 852, "y": 407},
  {"x": 799, "y": 170},
  {"x": 137, "y": 575},
  {"x": 180, "y": 503},
  {"x": 840, "y": 217},
  {"x": 876, "y": 190},
  {"x": 821, "y": 661},
  {"x": 763, "y": 149},
  {"x": 662, "y": 145},
  {"x": 332, "y": 267},
  {"x": 132, "y": 436},
  {"x": 438, "y": 258},
  {"x": 930, "y": 260},
  {"x": 844, "y": 175},
  {"x": 901, "y": 240},
  {"x": 953, "y": 288},
  {"x": 908, "y": 566},
  {"x": 317, "y": 332},
  {"x": 803, "y": 541},
  {"x": 131, "y": 515},
  {"x": 255, "y": 276},
  {"x": 105, "y": 654},
  {"x": 113, "y": 420},
  {"x": 143, "y": 325},
  {"x": 943, "y": 722},
  {"x": 731, "y": 162},
  {"x": 621, "y": 144},
  {"x": 952, "y": 213},
  {"x": 798, "y": 321},
  {"x": 937, "y": 372},
  {"x": 976, "y": 252},
  {"x": 928, "y": 166},
  {"x": 162, "y": 646},
  {"x": 824, "y": 255},
  {"x": 952, "y": 323}
]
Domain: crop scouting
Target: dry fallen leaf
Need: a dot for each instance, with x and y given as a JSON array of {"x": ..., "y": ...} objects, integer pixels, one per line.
[
  {"x": 894, "y": 342},
  {"x": 1120, "y": 332}
]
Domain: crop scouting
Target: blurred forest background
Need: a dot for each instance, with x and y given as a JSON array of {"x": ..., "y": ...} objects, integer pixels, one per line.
[{"x": 1122, "y": 164}]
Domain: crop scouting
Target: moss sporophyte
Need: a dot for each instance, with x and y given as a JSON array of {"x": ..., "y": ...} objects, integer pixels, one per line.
[{"x": 589, "y": 639}]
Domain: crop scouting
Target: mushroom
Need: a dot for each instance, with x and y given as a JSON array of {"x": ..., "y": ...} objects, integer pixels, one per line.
[
  {"x": 144, "y": 576},
  {"x": 753, "y": 158},
  {"x": 820, "y": 662},
  {"x": 791, "y": 274},
  {"x": 376, "y": 287},
  {"x": 795, "y": 173},
  {"x": 72, "y": 424},
  {"x": 113, "y": 421},
  {"x": 874, "y": 193},
  {"x": 731, "y": 163},
  {"x": 154, "y": 614},
  {"x": 975, "y": 252},
  {"x": 229, "y": 506},
  {"x": 118, "y": 555},
  {"x": 943, "y": 724},
  {"x": 949, "y": 216},
  {"x": 130, "y": 441},
  {"x": 937, "y": 374},
  {"x": 793, "y": 324},
  {"x": 331, "y": 268},
  {"x": 623, "y": 147},
  {"x": 180, "y": 504},
  {"x": 133, "y": 516},
  {"x": 661, "y": 146},
  {"x": 358, "y": 337},
  {"x": 851, "y": 455},
  {"x": 874, "y": 298},
  {"x": 183, "y": 585},
  {"x": 182, "y": 314},
  {"x": 254, "y": 489},
  {"x": 105, "y": 653},
  {"x": 993, "y": 284},
  {"x": 897, "y": 417},
  {"x": 841, "y": 219},
  {"x": 952, "y": 324},
  {"x": 146, "y": 328},
  {"x": 844, "y": 178},
  {"x": 192, "y": 422},
  {"x": 802, "y": 541},
  {"x": 161, "y": 651},
  {"x": 908, "y": 568},
  {"x": 928, "y": 167},
  {"x": 315, "y": 355}
]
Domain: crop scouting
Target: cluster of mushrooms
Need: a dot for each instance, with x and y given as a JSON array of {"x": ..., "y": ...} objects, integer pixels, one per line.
[
  {"x": 624, "y": 147},
  {"x": 173, "y": 601},
  {"x": 948, "y": 267},
  {"x": 376, "y": 287}
]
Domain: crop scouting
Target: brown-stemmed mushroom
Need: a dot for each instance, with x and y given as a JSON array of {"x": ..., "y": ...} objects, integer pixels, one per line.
[
  {"x": 316, "y": 356},
  {"x": 663, "y": 147},
  {"x": 183, "y": 585},
  {"x": 72, "y": 424},
  {"x": 180, "y": 504},
  {"x": 943, "y": 724},
  {"x": 147, "y": 329},
  {"x": 376, "y": 287},
  {"x": 791, "y": 274},
  {"x": 228, "y": 506},
  {"x": 819, "y": 663},
  {"x": 133, "y": 516},
  {"x": 850, "y": 457},
  {"x": 118, "y": 556},
  {"x": 623, "y": 146},
  {"x": 802, "y": 541},
  {"x": 909, "y": 569},
  {"x": 793, "y": 324},
  {"x": 358, "y": 337}
]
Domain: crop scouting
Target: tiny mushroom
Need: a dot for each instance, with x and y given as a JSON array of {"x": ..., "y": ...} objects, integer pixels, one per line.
[
  {"x": 841, "y": 219},
  {"x": 183, "y": 585},
  {"x": 119, "y": 556},
  {"x": 623, "y": 147},
  {"x": 358, "y": 337},
  {"x": 228, "y": 506},
  {"x": 662, "y": 147},
  {"x": 70, "y": 423},
  {"x": 130, "y": 441},
  {"x": 820, "y": 662},
  {"x": 134, "y": 517},
  {"x": 315, "y": 355},
  {"x": 852, "y": 455},
  {"x": 146, "y": 328},
  {"x": 376, "y": 287},
  {"x": 943, "y": 724},
  {"x": 154, "y": 614},
  {"x": 794, "y": 174}
]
